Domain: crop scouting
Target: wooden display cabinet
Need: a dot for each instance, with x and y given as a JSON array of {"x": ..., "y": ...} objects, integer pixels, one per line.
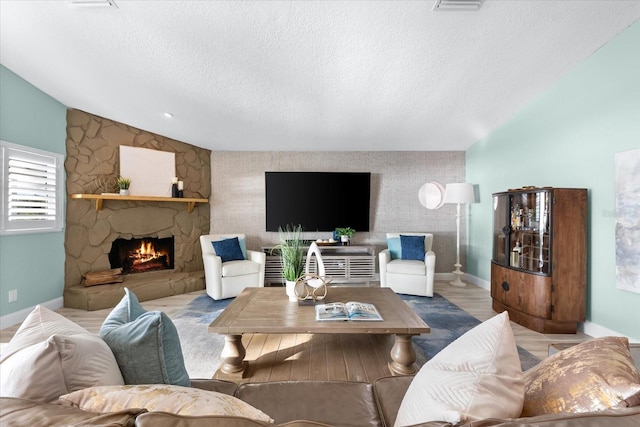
[{"x": 538, "y": 268}]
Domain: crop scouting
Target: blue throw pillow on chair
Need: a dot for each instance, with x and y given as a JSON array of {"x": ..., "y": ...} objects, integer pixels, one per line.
[
  {"x": 412, "y": 247},
  {"x": 228, "y": 249}
]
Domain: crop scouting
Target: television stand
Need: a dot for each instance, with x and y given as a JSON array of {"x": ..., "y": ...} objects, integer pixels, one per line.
[{"x": 345, "y": 264}]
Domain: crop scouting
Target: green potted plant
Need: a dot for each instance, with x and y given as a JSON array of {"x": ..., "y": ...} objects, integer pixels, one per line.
[
  {"x": 345, "y": 233},
  {"x": 123, "y": 184},
  {"x": 291, "y": 249}
]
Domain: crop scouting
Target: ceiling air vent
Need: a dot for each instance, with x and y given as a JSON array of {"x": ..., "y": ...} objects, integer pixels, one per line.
[
  {"x": 471, "y": 5},
  {"x": 93, "y": 3}
]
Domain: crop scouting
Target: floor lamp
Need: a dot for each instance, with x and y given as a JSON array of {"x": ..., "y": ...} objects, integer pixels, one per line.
[{"x": 459, "y": 193}]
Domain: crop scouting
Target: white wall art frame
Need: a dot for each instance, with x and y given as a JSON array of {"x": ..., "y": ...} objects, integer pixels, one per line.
[
  {"x": 150, "y": 171},
  {"x": 627, "y": 220}
]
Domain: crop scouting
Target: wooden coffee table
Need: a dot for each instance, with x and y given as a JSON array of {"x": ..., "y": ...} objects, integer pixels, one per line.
[{"x": 269, "y": 311}]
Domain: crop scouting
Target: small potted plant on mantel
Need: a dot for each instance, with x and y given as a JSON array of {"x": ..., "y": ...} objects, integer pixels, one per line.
[
  {"x": 123, "y": 184},
  {"x": 345, "y": 234},
  {"x": 291, "y": 248}
]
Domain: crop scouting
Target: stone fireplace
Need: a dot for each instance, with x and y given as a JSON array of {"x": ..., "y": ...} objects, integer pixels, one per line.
[
  {"x": 91, "y": 229},
  {"x": 142, "y": 255}
]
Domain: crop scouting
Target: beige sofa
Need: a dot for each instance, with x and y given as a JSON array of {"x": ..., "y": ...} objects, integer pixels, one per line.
[
  {"x": 476, "y": 377},
  {"x": 291, "y": 404}
]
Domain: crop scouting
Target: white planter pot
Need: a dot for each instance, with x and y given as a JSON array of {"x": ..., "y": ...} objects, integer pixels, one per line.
[
  {"x": 124, "y": 192},
  {"x": 290, "y": 288},
  {"x": 344, "y": 240}
]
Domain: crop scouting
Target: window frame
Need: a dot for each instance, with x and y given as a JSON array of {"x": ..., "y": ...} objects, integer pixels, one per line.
[{"x": 8, "y": 151}]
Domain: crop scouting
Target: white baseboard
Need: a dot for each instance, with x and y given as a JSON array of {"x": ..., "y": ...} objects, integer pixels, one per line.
[
  {"x": 468, "y": 278},
  {"x": 597, "y": 331},
  {"x": 481, "y": 283},
  {"x": 19, "y": 316}
]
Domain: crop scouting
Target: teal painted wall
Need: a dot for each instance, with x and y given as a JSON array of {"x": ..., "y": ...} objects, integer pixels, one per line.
[
  {"x": 568, "y": 137},
  {"x": 31, "y": 263}
]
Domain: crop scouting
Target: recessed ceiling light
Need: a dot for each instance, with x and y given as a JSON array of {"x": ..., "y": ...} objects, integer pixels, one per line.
[
  {"x": 93, "y": 3},
  {"x": 168, "y": 115}
]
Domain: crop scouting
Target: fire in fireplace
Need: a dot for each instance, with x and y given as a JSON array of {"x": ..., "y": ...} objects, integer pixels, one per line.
[{"x": 141, "y": 255}]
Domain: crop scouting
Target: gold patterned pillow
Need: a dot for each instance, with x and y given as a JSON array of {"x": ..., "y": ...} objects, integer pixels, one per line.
[
  {"x": 161, "y": 398},
  {"x": 591, "y": 376}
]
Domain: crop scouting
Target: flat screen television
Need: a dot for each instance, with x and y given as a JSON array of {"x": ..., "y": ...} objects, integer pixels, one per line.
[{"x": 319, "y": 201}]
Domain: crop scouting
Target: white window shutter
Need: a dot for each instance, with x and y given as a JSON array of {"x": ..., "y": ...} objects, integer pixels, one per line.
[{"x": 33, "y": 189}]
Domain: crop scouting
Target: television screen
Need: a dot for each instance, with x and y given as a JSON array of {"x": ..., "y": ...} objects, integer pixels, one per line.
[{"x": 319, "y": 201}]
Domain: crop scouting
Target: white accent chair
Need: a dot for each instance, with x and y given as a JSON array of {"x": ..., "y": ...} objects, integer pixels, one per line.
[
  {"x": 228, "y": 279},
  {"x": 410, "y": 277}
]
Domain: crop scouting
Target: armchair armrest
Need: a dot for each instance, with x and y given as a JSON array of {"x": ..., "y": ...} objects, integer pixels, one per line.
[
  {"x": 213, "y": 274},
  {"x": 261, "y": 258},
  {"x": 384, "y": 257},
  {"x": 257, "y": 256},
  {"x": 430, "y": 260}
]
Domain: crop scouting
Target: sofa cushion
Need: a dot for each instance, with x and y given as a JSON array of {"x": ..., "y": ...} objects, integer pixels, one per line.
[
  {"x": 145, "y": 343},
  {"x": 412, "y": 247},
  {"x": 591, "y": 376},
  {"x": 462, "y": 381},
  {"x": 627, "y": 417},
  {"x": 24, "y": 412},
  {"x": 41, "y": 367},
  {"x": 163, "y": 398},
  {"x": 240, "y": 268},
  {"x": 228, "y": 249},
  {"x": 340, "y": 403},
  {"x": 402, "y": 266},
  {"x": 162, "y": 419},
  {"x": 389, "y": 392}
]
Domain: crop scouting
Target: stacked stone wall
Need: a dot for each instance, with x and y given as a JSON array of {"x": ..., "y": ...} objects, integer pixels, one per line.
[{"x": 92, "y": 164}]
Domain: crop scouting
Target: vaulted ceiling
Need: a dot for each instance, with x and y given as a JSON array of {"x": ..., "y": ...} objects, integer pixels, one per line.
[{"x": 305, "y": 75}]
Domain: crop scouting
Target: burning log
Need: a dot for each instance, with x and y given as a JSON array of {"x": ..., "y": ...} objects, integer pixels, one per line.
[{"x": 103, "y": 277}]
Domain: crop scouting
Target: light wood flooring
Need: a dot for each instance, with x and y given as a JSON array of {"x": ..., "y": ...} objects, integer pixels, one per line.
[{"x": 327, "y": 357}]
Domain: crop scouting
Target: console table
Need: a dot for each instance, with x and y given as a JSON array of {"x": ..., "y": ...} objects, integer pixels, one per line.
[{"x": 345, "y": 264}]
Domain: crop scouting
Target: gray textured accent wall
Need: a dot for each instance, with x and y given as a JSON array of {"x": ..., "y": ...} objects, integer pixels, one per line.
[{"x": 238, "y": 195}]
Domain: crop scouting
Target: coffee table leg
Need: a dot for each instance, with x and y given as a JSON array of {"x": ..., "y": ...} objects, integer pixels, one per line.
[
  {"x": 403, "y": 356},
  {"x": 233, "y": 355}
]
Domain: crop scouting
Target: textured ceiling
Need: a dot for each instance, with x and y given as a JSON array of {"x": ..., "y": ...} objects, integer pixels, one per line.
[{"x": 305, "y": 75}]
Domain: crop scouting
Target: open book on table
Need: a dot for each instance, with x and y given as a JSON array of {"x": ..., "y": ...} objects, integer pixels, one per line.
[{"x": 357, "y": 311}]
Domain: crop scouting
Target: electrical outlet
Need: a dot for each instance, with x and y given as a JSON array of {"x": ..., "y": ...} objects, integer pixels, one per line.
[{"x": 13, "y": 295}]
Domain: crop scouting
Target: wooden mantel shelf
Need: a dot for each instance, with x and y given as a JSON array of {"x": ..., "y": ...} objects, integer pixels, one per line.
[{"x": 190, "y": 201}]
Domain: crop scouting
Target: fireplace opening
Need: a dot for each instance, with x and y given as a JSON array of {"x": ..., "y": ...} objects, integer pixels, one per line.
[{"x": 142, "y": 255}]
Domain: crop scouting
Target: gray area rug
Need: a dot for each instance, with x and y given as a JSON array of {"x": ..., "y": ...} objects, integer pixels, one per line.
[{"x": 201, "y": 349}]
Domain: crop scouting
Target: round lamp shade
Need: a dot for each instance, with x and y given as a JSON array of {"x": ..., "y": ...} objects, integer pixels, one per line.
[{"x": 431, "y": 195}]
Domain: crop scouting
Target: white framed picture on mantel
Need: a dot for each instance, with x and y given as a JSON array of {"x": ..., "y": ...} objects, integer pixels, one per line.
[{"x": 151, "y": 171}]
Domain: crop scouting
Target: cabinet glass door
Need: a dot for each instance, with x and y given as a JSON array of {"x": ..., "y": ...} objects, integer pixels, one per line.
[
  {"x": 501, "y": 229},
  {"x": 529, "y": 214}
]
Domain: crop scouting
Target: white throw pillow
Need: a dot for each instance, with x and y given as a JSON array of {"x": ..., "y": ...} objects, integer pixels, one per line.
[
  {"x": 43, "y": 367},
  {"x": 162, "y": 397},
  {"x": 475, "y": 377},
  {"x": 39, "y": 325}
]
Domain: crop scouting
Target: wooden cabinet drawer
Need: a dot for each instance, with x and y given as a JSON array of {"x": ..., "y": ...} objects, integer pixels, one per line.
[{"x": 527, "y": 293}]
